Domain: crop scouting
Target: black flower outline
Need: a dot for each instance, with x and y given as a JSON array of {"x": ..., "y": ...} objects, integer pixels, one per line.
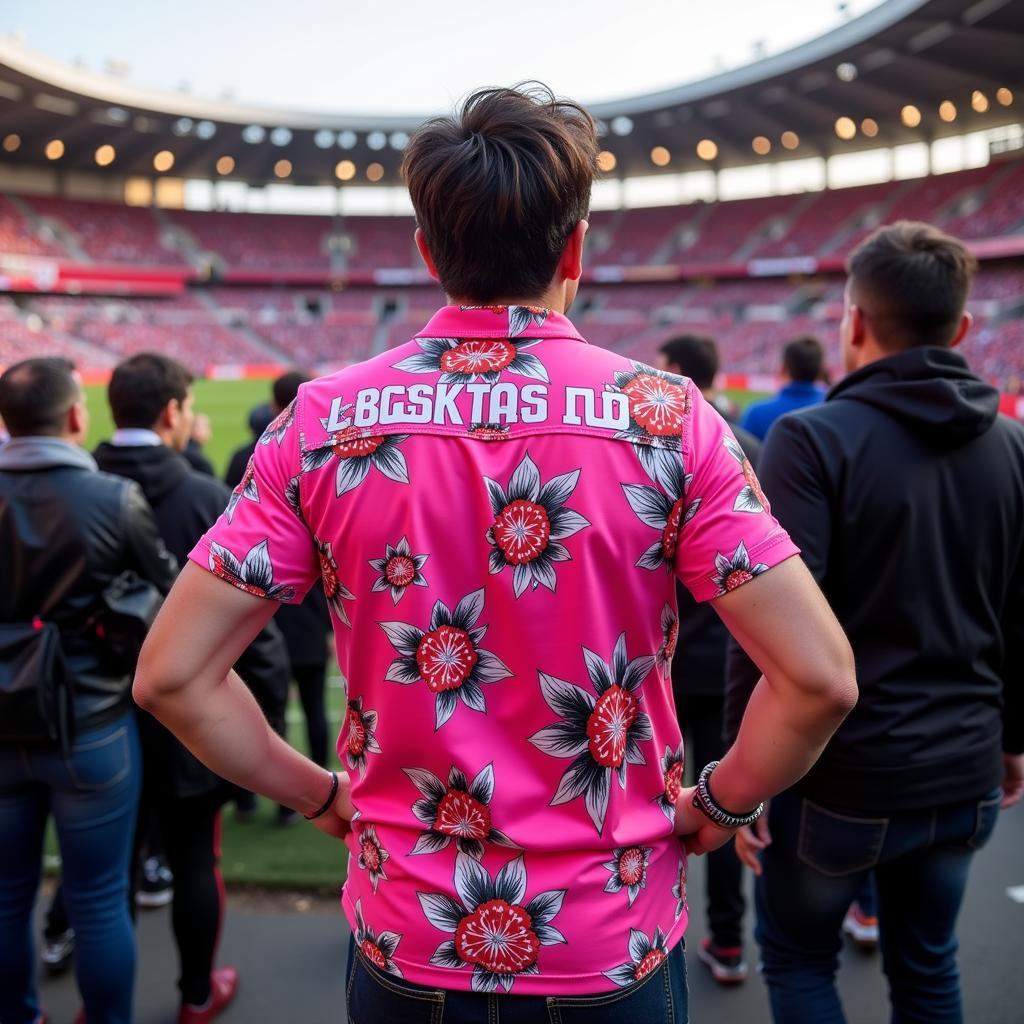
[
  {"x": 378, "y": 949},
  {"x": 672, "y": 767},
  {"x": 361, "y": 738},
  {"x": 628, "y": 867},
  {"x": 246, "y": 489},
  {"x": 254, "y": 575},
  {"x": 485, "y": 359},
  {"x": 400, "y": 551},
  {"x": 357, "y": 451},
  {"x": 334, "y": 590},
  {"x": 645, "y": 955},
  {"x": 731, "y": 573},
  {"x": 750, "y": 498},
  {"x": 664, "y": 508},
  {"x": 372, "y": 856}
]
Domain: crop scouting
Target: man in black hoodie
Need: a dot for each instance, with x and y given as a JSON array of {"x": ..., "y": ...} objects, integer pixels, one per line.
[
  {"x": 905, "y": 492},
  {"x": 151, "y": 400}
]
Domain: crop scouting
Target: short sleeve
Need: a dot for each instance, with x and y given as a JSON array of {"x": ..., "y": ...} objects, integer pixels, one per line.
[
  {"x": 261, "y": 543},
  {"x": 728, "y": 533}
]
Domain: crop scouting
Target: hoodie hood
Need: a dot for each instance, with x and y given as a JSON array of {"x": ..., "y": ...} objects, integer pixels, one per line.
[
  {"x": 930, "y": 390},
  {"x": 28, "y": 454},
  {"x": 157, "y": 469}
]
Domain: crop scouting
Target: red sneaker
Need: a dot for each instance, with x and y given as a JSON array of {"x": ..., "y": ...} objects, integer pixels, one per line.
[
  {"x": 223, "y": 988},
  {"x": 861, "y": 928},
  {"x": 726, "y": 963}
]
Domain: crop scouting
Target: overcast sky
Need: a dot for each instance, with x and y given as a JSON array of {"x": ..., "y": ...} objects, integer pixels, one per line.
[{"x": 409, "y": 55}]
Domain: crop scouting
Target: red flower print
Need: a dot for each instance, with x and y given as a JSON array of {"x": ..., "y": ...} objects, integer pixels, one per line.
[
  {"x": 353, "y": 443},
  {"x": 646, "y": 955},
  {"x": 491, "y": 928},
  {"x": 356, "y": 452},
  {"x": 486, "y": 355},
  {"x": 670, "y": 639},
  {"x": 334, "y": 590},
  {"x": 731, "y": 573},
  {"x": 602, "y": 733},
  {"x": 608, "y": 726},
  {"x": 628, "y": 868},
  {"x": 489, "y": 432},
  {"x": 458, "y": 810},
  {"x": 465, "y": 360},
  {"x": 254, "y": 575},
  {"x": 498, "y": 937},
  {"x": 530, "y": 523},
  {"x": 379, "y": 949},
  {"x": 750, "y": 497},
  {"x": 399, "y": 569},
  {"x": 372, "y": 856},
  {"x": 672, "y": 782},
  {"x": 656, "y": 404},
  {"x": 665, "y": 507},
  {"x": 446, "y": 656},
  {"x": 279, "y": 425},
  {"x": 246, "y": 489},
  {"x": 360, "y": 739},
  {"x": 679, "y": 889}
]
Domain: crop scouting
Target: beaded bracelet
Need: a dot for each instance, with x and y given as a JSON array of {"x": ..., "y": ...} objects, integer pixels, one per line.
[{"x": 710, "y": 808}]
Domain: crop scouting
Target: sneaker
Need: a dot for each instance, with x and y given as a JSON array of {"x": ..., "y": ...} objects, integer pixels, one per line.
[
  {"x": 156, "y": 884},
  {"x": 726, "y": 963},
  {"x": 861, "y": 928},
  {"x": 56, "y": 951},
  {"x": 223, "y": 988}
]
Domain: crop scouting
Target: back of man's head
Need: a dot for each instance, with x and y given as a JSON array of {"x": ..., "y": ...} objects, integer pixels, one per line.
[
  {"x": 286, "y": 387},
  {"x": 141, "y": 387},
  {"x": 498, "y": 189},
  {"x": 694, "y": 356},
  {"x": 36, "y": 396},
  {"x": 803, "y": 359},
  {"x": 910, "y": 283}
]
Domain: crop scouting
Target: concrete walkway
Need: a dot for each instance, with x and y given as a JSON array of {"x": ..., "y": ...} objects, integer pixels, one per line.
[{"x": 292, "y": 963}]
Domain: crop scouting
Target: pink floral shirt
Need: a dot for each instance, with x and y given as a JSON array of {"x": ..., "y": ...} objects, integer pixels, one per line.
[{"x": 497, "y": 512}]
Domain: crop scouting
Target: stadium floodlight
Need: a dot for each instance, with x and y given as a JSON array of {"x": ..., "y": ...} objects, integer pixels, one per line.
[
  {"x": 398, "y": 140},
  {"x": 345, "y": 170},
  {"x": 283, "y": 168},
  {"x": 182, "y": 126},
  {"x": 869, "y": 126},
  {"x": 376, "y": 140},
  {"x": 12, "y": 142},
  {"x": 707, "y": 149},
  {"x": 660, "y": 156},
  {"x": 846, "y": 128},
  {"x": 105, "y": 155},
  {"x": 761, "y": 145},
  {"x": 225, "y": 164},
  {"x": 206, "y": 130},
  {"x": 979, "y": 101},
  {"x": 375, "y": 172},
  {"x": 606, "y": 161},
  {"x": 280, "y": 136},
  {"x": 54, "y": 149},
  {"x": 947, "y": 111},
  {"x": 789, "y": 140},
  {"x": 1004, "y": 96},
  {"x": 254, "y": 134},
  {"x": 323, "y": 139},
  {"x": 622, "y": 125},
  {"x": 163, "y": 161},
  {"x": 846, "y": 72},
  {"x": 347, "y": 139},
  {"x": 910, "y": 116}
]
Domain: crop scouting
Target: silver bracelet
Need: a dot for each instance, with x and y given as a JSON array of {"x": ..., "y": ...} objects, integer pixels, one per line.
[{"x": 706, "y": 804}]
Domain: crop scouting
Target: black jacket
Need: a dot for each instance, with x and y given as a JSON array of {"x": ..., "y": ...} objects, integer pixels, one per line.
[
  {"x": 905, "y": 492},
  {"x": 698, "y": 668},
  {"x": 186, "y": 504},
  {"x": 66, "y": 531}
]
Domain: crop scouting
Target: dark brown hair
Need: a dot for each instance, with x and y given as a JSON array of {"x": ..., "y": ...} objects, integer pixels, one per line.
[
  {"x": 141, "y": 386},
  {"x": 695, "y": 356},
  {"x": 36, "y": 396},
  {"x": 499, "y": 187},
  {"x": 910, "y": 282},
  {"x": 803, "y": 359}
]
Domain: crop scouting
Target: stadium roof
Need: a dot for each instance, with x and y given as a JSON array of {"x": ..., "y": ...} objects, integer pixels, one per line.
[{"x": 908, "y": 70}]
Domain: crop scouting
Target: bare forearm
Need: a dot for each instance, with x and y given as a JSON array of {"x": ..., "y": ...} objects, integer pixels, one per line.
[{"x": 227, "y": 731}]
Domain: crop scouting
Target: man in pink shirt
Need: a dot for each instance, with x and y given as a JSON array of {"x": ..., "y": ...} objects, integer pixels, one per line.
[{"x": 497, "y": 513}]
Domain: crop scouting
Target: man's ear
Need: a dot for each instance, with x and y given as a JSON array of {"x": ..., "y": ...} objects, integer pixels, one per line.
[
  {"x": 571, "y": 265},
  {"x": 858, "y": 329},
  {"x": 76, "y": 422},
  {"x": 961, "y": 332},
  {"x": 424, "y": 251}
]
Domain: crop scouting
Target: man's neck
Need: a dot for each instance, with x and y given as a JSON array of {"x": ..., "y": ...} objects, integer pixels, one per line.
[{"x": 553, "y": 299}]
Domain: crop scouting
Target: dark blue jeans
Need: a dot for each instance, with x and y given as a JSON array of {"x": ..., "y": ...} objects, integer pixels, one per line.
[
  {"x": 817, "y": 862},
  {"x": 93, "y": 795},
  {"x": 373, "y": 997}
]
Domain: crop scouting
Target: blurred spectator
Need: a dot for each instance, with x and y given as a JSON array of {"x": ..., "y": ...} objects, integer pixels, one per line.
[
  {"x": 803, "y": 362},
  {"x": 66, "y": 531},
  {"x": 882, "y": 487},
  {"x": 202, "y": 433},
  {"x": 259, "y": 420}
]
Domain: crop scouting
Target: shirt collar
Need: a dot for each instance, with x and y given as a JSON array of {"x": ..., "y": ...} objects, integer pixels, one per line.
[
  {"x": 136, "y": 437},
  {"x": 499, "y": 322}
]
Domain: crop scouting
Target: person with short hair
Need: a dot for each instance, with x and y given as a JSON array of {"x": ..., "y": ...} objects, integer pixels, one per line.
[
  {"x": 66, "y": 532},
  {"x": 497, "y": 512},
  {"x": 882, "y": 486},
  {"x": 803, "y": 364},
  {"x": 150, "y": 396}
]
